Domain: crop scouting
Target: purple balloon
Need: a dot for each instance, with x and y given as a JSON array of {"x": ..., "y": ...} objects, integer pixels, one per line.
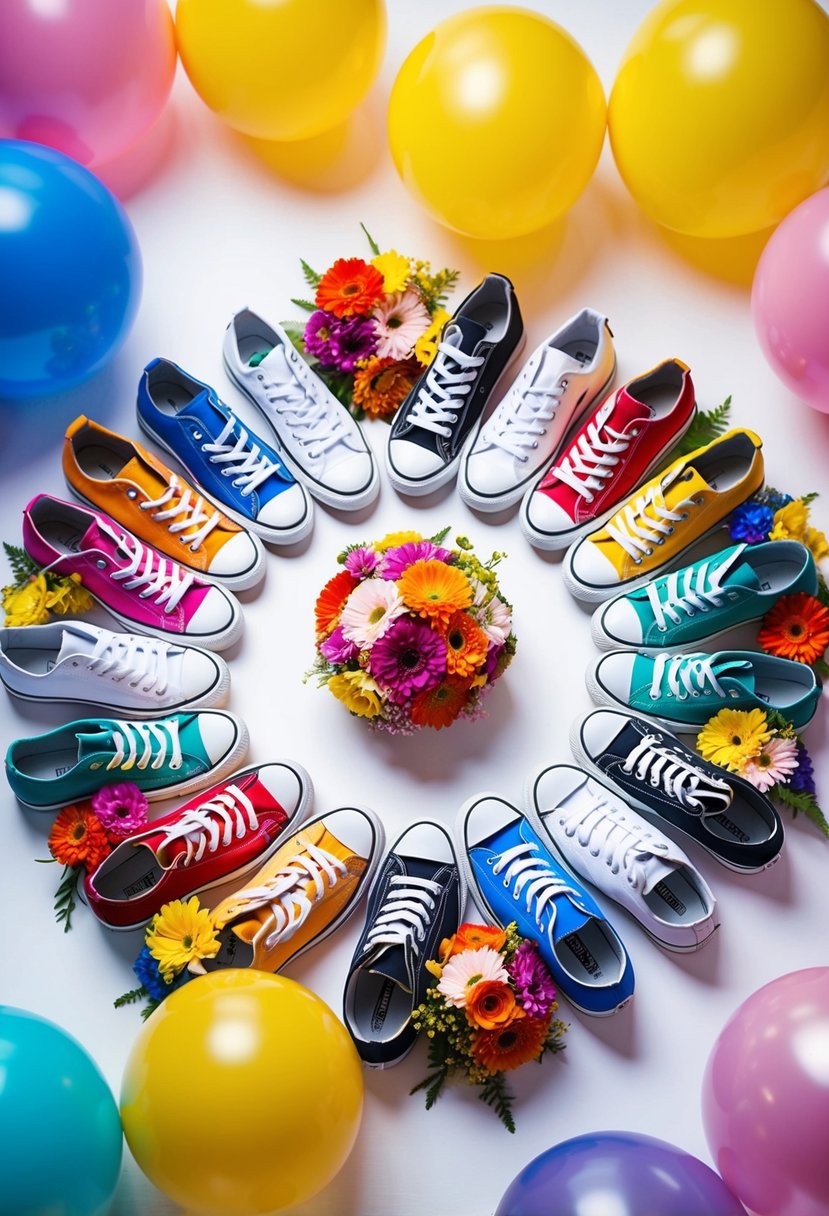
[
  {"x": 765, "y": 1097},
  {"x": 619, "y": 1172}
]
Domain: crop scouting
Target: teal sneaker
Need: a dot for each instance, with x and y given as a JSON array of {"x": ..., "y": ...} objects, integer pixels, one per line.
[
  {"x": 682, "y": 691},
  {"x": 176, "y": 755},
  {"x": 705, "y": 599}
]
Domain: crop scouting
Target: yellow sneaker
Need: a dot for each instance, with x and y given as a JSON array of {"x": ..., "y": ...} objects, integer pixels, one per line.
[{"x": 654, "y": 528}]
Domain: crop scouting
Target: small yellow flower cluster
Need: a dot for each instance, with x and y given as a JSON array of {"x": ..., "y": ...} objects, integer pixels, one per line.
[
  {"x": 32, "y": 602},
  {"x": 792, "y": 523}
]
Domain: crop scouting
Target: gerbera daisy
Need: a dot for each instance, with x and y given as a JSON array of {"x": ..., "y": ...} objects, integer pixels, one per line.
[
  {"x": 331, "y": 599},
  {"x": 435, "y": 590},
  {"x": 440, "y": 706},
  {"x": 396, "y": 560},
  {"x": 733, "y": 736},
  {"x": 392, "y": 539},
  {"x": 797, "y": 627},
  {"x": 491, "y": 613},
  {"x": 358, "y": 693},
  {"x": 121, "y": 808},
  {"x": 408, "y": 658},
  {"x": 337, "y": 648},
  {"x": 361, "y": 562},
  {"x": 510, "y": 1046},
  {"x": 77, "y": 838},
  {"x": 491, "y": 1004},
  {"x": 776, "y": 761},
  {"x": 350, "y": 287},
  {"x": 394, "y": 268},
  {"x": 182, "y": 934},
  {"x": 465, "y": 970},
  {"x": 369, "y": 611},
  {"x": 400, "y": 319},
  {"x": 466, "y": 645},
  {"x": 534, "y": 985},
  {"x": 472, "y": 937},
  {"x": 425, "y": 348},
  {"x": 381, "y": 385},
  {"x": 340, "y": 343}
]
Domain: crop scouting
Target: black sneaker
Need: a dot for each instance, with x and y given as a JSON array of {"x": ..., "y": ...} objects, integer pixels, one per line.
[
  {"x": 444, "y": 409},
  {"x": 657, "y": 774},
  {"x": 416, "y": 900}
]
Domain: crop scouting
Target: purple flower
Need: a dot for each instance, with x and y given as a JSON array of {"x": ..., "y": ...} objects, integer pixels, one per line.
[
  {"x": 337, "y": 648},
  {"x": 751, "y": 522},
  {"x": 492, "y": 657},
  {"x": 121, "y": 808},
  {"x": 361, "y": 562},
  {"x": 534, "y": 986},
  {"x": 802, "y": 779},
  {"x": 395, "y": 561},
  {"x": 340, "y": 343},
  {"x": 408, "y": 658}
]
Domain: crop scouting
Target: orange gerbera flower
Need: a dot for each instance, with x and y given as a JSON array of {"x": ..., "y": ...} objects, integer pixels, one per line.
[
  {"x": 466, "y": 645},
  {"x": 473, "y": 937},
  {"x": 349, "y": 288},
  {"x": 796, "y": 628},
  {"x": 440, "y": 706},
  {"x": 77, "y": 838},
  {"x": 381, "y": 385},
  {"x": 435, "y": 590},
  {"x": 491, "y": 1004},
  {"x": 331, "y": 599},
  {"x": 512, "y": 1045}
]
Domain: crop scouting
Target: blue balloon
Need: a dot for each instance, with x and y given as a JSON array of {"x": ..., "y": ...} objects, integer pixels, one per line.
[
  {"x": 70, "y": 272},
  {"x": 60, "y": 1131}
]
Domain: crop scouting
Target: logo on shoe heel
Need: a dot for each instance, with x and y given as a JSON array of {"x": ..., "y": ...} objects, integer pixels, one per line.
[
  {"x": 664, "y": 892},
  {"x": 575, "y": 944},
  {"x": 381, "y": 1009},
  {"x": 730, "y": 826}
]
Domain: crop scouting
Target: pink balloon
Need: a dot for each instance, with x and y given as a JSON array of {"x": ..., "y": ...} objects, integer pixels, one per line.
[
  {"x": 88, "y": 77},
  {"x": 790, "y": 301},
  {"x": 765, "y": 1097}
]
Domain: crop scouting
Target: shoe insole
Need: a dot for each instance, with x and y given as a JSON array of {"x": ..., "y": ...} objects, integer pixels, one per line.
[
  {"x": 741, "y": 822},
  {"x": 779, "y": 693},
  {"x": 723, "y": 473},
  {"x": 101, "y": 463},
  {"x": 45, "y": 766},
  {"x": 38, "y": 661},
  {"x": 676, "y": 901},
  {"x": 580, "y": 349},
  {"x": 170, "y": 396},
  {"x": 381, "y": 1007},
  {"x": 660, "y": 397},
  {"x": 588, "y": 956},
  {"x": 254, "y": 344},
  {"x": 233, "y": 952},
  {"x": 137, "y": 872},
  {"x": 775, "y": 575},
  {"x": 493, "y": 317},
  {"x": 62, "y": 535}
]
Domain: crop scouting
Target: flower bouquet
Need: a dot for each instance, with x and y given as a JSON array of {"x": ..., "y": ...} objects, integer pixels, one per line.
[
  {"x": 177, "y": 940},
  {"x": 411, "y": 634},
  {"x": 490, "y": 1012},
  {"x": 35, "y": 594}
]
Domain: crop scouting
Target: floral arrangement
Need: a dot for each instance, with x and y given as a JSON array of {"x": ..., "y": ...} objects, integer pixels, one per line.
[
  {"x": 177, "y": 940},
  {"x": 374, "y": 326},
  {"x": 35, "y": 594},
  {"x": 491, "y": 1011},
  {"x": 411, "y": 634}
]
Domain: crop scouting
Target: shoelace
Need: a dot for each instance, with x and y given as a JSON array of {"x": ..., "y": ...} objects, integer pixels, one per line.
[
  {"x": 443, "y": 392},
  {"x": 680, "y": 779},
  {"x": 156, "y": 739},
  {"x": 521, "y": 870},
  {"x": 518, "y": 432},
  {"x": 134, "y": 659},
  {"x": 160, "y": 577},
  {"x": 621, "y": 847},
  {"x": 694, "y": 589},
  {"x": 295, "y": 397},
  {"x": 285, "y": 892},
  {"x": 592, "y": 459},
  {"x": 244, "y": 460},
  {"x": 688, "y": 675},
  {"x": 188, "y": 510},
  {"x": 404, "y": 915},
  {"x": 645, "y": 522},
  {"x": 212, "y": 823}
]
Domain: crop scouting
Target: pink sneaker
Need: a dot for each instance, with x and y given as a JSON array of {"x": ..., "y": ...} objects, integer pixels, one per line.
[{"x": 141, "y": 589}]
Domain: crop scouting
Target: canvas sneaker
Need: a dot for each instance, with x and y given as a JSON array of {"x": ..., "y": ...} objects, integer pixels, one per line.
[
  {"x": 137, "y": 586},
  {"x": 83, "y": 664},
  {"x": 436, "y": 424},
  {"x": 556, "y": 387},
  {"x": 622, "y": 855},
  {"x": 321, "y": 441},
  {"x": 652, "y": 771},
  {"x": 233, "y": 467},
  {"x": 132, "y": 486},
  {"x": 215, "y": 840},
  {"x": 701, "y": 601},
  {"x": 682, "y": 691},
  {"x": 626, "y": 438},
  {"x": 164, "y": 757},
  {"x": 415, "y": 901},
  {"x": 513, "y": 876},
  {"x": 653, "y": 530}
]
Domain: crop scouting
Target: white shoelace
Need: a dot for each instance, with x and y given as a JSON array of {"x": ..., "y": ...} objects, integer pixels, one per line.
[
  {"x": 694, "y": 589},
  {"x": 522, "y": 870},
  {"x": 134, "y": 659},
  {"x": 646, "y": 521},
  {"x": 213, "y": 823},
  {"x": 156, "y": 738},
  {"x": 187, "y": 511},
  {"x": 443, "y": 392},
  {"x": 621, "y": 847},
  {"x": 592, "y": 459},
  {"x": 243, "y": 460},
  {"x": 519, "y": 431},
  {"x": 681, "y": 780},
  {"x": 688, "y": 675},
  {"x": 160, "y": 577},
  {"x": 313, "y": 423},
  {"x": 404, "y": 916},
  {"x": 285, "y": 892}
]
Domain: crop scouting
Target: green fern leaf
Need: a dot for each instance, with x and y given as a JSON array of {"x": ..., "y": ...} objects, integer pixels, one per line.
[
  {"x": 495, "y": 1094},
  {"x": 130, "y": 998},
  {"x": 706, "y": 427},
  {"x": 801, "y": 802},
  {"x": 22, "y": 565},
  {"x": 296, "y": 332},
  {"x": 309, "y": 274},
  {"x": 306, "y": 304},
  {"x": 65, "y": 896},
  {"x": 372, "y": 244},
  {"x": 150, "y": 1007}
]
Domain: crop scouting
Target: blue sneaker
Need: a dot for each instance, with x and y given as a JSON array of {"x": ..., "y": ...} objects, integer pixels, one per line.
[
  {"x": 513, "y": 876},
  {"x": 234, "y": 468}
]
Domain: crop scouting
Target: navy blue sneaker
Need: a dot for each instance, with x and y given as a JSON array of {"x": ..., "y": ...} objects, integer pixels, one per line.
[{"x": 513, "y": 876}]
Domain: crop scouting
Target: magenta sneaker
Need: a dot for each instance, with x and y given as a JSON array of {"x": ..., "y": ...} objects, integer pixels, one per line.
[{"x": 141, "y": 589}]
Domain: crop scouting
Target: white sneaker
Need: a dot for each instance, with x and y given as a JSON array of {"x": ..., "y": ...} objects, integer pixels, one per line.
[
  {"x": 321, "y": 442},
  {"x": 554, "y": 390},
  {"x": 624, "y": 856},
  {"x": 79, "y": 663}
]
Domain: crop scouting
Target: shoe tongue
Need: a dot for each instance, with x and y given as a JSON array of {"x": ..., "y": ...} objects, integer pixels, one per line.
[
  {"x": 144, "y": 474},
  {"x": 682, "y": 483},
  {"x": 624, "y": 409},
  {"x": 554, "y": 364},
  {"x": 742, "y": 575},
  {"x": 273, "y": 362},
  {"x": 464, "y": 334},
  {"x": 392, "y": 963},
  {"x": 74, "y": 641},
  {"x": 92, "y": 743},
  {"x": 732, "y": 666},
  {"x": 656, "y": 871},
  {"x": 203, "y": 409}
]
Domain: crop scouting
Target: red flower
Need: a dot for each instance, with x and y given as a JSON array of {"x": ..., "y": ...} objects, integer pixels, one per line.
[
  {"x": 797, "y": 627},
  {"x": 350, "y": 288}
]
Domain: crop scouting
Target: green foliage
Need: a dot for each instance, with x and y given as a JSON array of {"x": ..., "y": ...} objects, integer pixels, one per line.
[
  {"x": 801, "y": 802},
  {"x": 707, "y": 426},
  {"x": 440, "y": 537},
  {"x": 131, "y": 997},
  {"x": 372, "y": 244},
  {"x": 496, "y": 1095},
  {"x": 23, "y": 568},
  {"x": 434, "y": 287},
  {"x": 309, "y": 274},
  {"x": 308, "y": 305},
  {"x": 296, "y": 332},
  {"x": 65, "y": 896}
]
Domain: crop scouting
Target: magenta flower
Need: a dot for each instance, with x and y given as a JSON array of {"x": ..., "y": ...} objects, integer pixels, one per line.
[
  {"x": 408, "y": 658},
  {"x": 340, "y": 343},
  {"x": 491, "y": 661},
  {"x": 361, "y": 562},
  {"x": 534, "y": 988},
  {"x": 121, "y": 808},
  {"x": 337, "y": 648},
  {"x": 395, "y": 561}
]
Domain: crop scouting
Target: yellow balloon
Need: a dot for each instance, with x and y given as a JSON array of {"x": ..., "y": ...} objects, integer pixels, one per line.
[
  {"x": 281, "y": 69},
  {"x": 242, "y": 1094},
  {"x": 496, "y": 122},
  {"x": 719, "y": 116}
]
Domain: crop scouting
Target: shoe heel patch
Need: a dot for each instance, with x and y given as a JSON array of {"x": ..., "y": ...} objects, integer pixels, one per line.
[
  {"x": 576, "y": 946},
  {"x": 670, "y": 898},
  {"x": 381, "y": 1007},
  {"x": 144, "y": 882}
]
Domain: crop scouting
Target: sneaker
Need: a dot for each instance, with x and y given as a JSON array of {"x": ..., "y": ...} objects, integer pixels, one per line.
[
  {"x": 218, "y": 838},
  {"x": 701, "y": 601},
  {"x": 321, "y": 441},
  {"x": 136, "y": 585},
  {"x": 134, "y": 488},
  {"x": 415, "y": 901},
  {"x": 654, "y": 773},
  {"x": 656, "y": 526},
  {"x": 513, "y": 876},
  {"x": 165, "y": 757},
  {"x": 628, "y": 859},
  {"x": 309, "y": 888},
  {"x": 682, "y": 691},
  {"x": 232, "y": 467},
  {"x": 437, "y": 423},
  {"x": 625, "y": 440},
  {"x": 556, "y": 387},
  {"x": 83, "y": 664}
]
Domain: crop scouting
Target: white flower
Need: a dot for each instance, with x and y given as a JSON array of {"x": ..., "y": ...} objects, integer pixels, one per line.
[
  {"x": 369, "y": 610},
  {"x": 776, "y": 761},
  {"x": 399, "y": 321},
  {"x": 465, "y": 970},
  {"x": 491, "y": 613}
]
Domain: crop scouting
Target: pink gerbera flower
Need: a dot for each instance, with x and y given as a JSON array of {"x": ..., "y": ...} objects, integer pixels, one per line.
[
  {"x": 408, "y": 658},
  {"x": 369, "y": 611},
  {"x": 534, "y": 986},
  {"x": 776, "y": 761},
  {"x": 399, "y": 319},
  {"x": 465, "y": 970}
]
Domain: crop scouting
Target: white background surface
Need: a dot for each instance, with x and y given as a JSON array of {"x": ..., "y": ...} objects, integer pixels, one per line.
[{"x": 219, "y": 228}]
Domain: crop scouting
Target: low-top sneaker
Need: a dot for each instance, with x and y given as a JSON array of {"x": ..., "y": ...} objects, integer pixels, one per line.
[
  {"x": 624, "y": 856},
  {"x": 513, "y": 876},
  {"x": 652, "y": 531},
  {"x": 234, "y": 468},
  {"x": 320, "y": 440},
  {"x": 416, "y": 900},
  {"x": 655, "y": 773},
  {"x": 445, "y": 406},
  {"x": 215, "y": 840},
  {"x": 164, "y": 757},
  {"x": 128, "y": 483},
  {"x": 555, "y": 388},
  {"x": 682, "y": 691},
  {"x": 699, "y": 602},
  {"x": 83, "y": 664}
]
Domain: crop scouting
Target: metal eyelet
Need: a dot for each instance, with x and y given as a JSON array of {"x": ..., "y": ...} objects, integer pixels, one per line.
[
  {"x": 101, "y": 564},
  {"x": 132, "y": 493},
  {"x": 94, "y": 764},
  {"x": 293, "y": 356},
  {"x": 662, "y": 628},
  {"x": 197, "y": 435}
]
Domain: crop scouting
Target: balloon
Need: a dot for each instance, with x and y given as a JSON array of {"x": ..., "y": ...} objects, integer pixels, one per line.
[
  {"x": 60, "y": 1135},
  {"x": 88, "y": 77},
  {"x": 617, "y": 1174},
  {"x": 281, "y": 69},
  {"x": 496, "y": 122},
  {"x": 719, "y": 120},
  {"x": 242, "y": 1094},
  {"x": 790, "y": 301},
  {"x": 71, "y": 277},
  {"x": 765, "y": 1097}
]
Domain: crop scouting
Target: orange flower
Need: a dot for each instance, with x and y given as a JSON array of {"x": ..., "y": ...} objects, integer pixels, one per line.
[
  {"x": 435, "y": 590},
  {"x": 466, "y": 645},
  {"x": 381, "y": 384},
  {"x": 440, "y": 706},
  {"x": 472, "y": 937},
  {"x": 77, "y": 838},
  {"x": 797, "y": 627},
  {"x": 491, "y": 1004},
  {"x": 331, "y": 599},
  {"x": 350, "y": 287},
  {"x": 512, "y": 1045}
]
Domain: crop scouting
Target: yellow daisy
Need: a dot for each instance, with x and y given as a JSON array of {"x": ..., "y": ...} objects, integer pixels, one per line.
[
  {"x": 69, "y": 597},
  {"x": 392, "y": 539},
  {"x": 427, "y": 344},
  {"x": 180, "y": 936},
  {"x": 27, "y": 605},
  {"x": 394, "y": 268},
  {"x": 792, "y": 523},
  {"x": 733, "y": 736},
  {"x": 435, "y": 590},
  {"x": 358, "y": 693}
]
